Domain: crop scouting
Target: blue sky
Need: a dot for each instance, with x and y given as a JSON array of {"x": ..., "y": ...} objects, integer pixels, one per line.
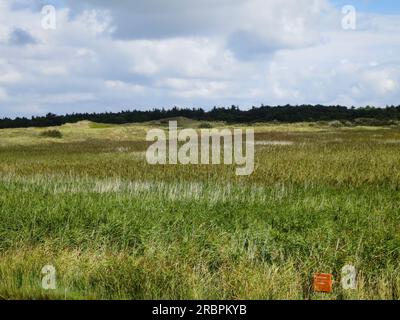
[
  {"x": 372, "y": 6},
  {"x": 108, "y": 55}
]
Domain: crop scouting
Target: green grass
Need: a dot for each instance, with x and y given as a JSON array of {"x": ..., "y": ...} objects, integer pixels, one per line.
[{"x": 117, "y": 228}]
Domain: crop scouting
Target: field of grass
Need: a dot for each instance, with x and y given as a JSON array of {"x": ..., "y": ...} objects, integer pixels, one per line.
[{"x": 115, "y": 227}]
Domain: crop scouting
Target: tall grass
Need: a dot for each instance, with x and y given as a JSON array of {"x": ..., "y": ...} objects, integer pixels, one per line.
[{"x": 117, "y": 228}]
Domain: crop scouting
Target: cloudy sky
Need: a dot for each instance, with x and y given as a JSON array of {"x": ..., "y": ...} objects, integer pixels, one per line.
[{"x": 113, "y": 55}]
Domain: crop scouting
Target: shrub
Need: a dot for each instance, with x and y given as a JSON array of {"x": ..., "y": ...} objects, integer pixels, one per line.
[
  {"x": 205, "y": 125},
  {"x": 51, "y": 134}
]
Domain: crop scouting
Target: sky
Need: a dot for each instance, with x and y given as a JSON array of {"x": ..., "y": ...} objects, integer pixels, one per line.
[{"x": 102, "y": 55}]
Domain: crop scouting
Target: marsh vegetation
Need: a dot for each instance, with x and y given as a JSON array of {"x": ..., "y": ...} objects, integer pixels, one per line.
[{"x": 321, "y": 196}]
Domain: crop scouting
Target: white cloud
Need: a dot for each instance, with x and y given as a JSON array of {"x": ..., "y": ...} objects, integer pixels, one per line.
[
  {"x": 65, "y": 98},
  {"x": 151, "y": 53},
  {"x": 3, "y": 94},
  {"x": 120, "y": 86},
  {"x": 8, "y": 74}
]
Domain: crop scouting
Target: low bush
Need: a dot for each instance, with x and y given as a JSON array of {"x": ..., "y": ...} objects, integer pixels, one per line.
[
  {"x": 51, "y": 134},
  {"x": 205, "y": 125}
]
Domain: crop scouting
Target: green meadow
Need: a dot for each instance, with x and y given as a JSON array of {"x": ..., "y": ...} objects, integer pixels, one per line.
[{"x": 82, "y": 198}]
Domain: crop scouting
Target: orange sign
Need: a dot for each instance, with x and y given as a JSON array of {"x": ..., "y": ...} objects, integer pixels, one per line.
[{"x": 323, "y": 282}]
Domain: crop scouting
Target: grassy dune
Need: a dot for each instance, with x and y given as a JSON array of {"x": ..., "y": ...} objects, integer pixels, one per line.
[{"x": 117, "y": 228}]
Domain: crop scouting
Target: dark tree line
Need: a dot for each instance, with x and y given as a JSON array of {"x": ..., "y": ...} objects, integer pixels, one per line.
[{"x": 290, "y": 114}]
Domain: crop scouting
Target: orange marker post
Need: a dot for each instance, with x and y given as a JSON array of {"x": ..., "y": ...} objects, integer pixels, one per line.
[{"x": 323, "y": 282}]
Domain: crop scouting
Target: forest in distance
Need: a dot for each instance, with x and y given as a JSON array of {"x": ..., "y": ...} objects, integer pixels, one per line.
[{"x": 288, "y": 114}]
